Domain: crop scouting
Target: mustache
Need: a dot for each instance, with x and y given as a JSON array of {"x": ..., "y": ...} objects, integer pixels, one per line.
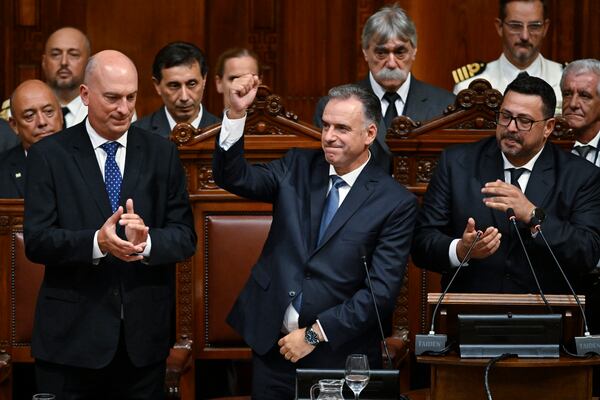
[
  {"x": 391, "y": 74},
  {"x": 511, "y": 136}
]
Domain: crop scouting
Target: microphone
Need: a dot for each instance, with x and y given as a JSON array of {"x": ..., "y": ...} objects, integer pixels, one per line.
[
  {"x": 588, "y": 343},
  {"x": 513, "y": 218},
  {"x": 432, "y": 342},
  {"x": 363, "y": 257}
]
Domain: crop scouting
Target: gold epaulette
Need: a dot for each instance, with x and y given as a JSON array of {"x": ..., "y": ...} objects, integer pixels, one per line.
[
  {"x": 468, "y": 71},
  {"x": 4, "y": 110}
]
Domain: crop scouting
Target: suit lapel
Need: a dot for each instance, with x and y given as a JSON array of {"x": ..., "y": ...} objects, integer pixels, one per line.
[
  {"x": 359, "y": 193},
  {"x": 541, "y": 180},
  {"x": 85, "y": 158},
  {"x": 17, "y": 169},
  {"x": 133, "y": 164},
  {"x": 160, "y": 123},
  {"x": 319, "y": 184}
]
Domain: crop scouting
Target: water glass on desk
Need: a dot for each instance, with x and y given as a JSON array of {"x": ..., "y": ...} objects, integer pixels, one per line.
[
  {"x": 43, "y": 396},
  {"x": 357, "y": 373}
]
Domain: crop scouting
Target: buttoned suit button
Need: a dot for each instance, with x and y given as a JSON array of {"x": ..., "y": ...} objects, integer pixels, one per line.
[{"x": 291, "y": 293}]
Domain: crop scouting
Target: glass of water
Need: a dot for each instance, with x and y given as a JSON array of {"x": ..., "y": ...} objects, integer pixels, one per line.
[{"x": 357, "y": 373}]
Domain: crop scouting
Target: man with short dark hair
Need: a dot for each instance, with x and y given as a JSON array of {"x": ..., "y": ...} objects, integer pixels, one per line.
[
  {"x": 474, "y": 186},
  {"x": 35, "y": 115},
  {"x": 389, "y": 45},
  {"x": 108, "y": 214},
  {"x": 332, "y": 208},
  {"x": 179, "y": 75},
  {"x": 522, "y": 26}
]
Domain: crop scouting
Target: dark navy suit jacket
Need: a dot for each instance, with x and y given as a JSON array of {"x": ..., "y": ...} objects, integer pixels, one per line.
[
  {"x": 564, "y": 185},
  {"x": 375, "y": 220},
  {"x": 78, "y": 314},
  {"x": 12, "y": 173}
]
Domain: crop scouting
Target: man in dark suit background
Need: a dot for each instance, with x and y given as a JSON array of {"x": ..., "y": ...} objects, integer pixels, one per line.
[
  {"x": 389, "y": 43},
  {"x": 179, "y": 75},
  {"x": 35, "y": 114},
  {"x": 471, "y": 190},
  {"x": 102, "y": 322},
  {"x": 309, "y": 282},
  {"x": 8, "y": 138}
]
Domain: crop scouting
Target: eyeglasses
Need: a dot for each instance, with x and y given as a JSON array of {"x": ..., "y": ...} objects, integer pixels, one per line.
[
  {"x": 523, "y": 124},
  {"x": 533, "y": 28}
]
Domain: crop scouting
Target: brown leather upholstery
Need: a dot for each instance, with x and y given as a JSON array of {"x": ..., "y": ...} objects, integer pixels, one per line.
[
  {"x": 26, "y": 280},
  {"x": 234, "y": 243}
]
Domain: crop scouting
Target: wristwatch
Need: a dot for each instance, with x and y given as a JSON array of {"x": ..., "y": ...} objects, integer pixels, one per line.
[
  {"x": 311, "y": 337},
  {"x": 537, "y": 216}
]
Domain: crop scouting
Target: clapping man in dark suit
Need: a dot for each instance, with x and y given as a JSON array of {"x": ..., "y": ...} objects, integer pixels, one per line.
[
  {"x": 179, "y": 75},
  {"x": 107, "y": 212},
  {"x": 35, "y": 114},
  {"x": 475, "y": 184},
  {"x": 389, "y": 44},
  {"x": 331, "y": 207}
]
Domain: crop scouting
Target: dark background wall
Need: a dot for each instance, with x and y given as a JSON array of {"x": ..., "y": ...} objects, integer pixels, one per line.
[{"x": 307, "y": 46}]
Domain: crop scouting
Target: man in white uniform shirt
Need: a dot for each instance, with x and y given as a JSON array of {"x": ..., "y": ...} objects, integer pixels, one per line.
[{"x": 522, "y": 26}]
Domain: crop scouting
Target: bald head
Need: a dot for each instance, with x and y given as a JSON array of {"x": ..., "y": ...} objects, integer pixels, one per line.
[
  {"x": 65, "y": 56},
  {"x": 35, "y": 112},
  {"x": 110, "y": 90}
]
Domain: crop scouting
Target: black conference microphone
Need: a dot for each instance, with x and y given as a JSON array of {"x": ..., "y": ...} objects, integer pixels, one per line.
[
  {"x": 363, "y": 257},
  {"x": 432, "y": 342},
  {"x": 513, "y": 218},
  {"x": 587, "y": 343}
]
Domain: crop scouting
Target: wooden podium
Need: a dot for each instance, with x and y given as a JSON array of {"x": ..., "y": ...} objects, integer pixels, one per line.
[{"x": 455, "y": 378}]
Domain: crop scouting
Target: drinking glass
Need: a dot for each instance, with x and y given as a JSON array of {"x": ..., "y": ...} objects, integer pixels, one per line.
[
  {"x": 357, "y": 373},
  {"x": 43, "y": 396}
]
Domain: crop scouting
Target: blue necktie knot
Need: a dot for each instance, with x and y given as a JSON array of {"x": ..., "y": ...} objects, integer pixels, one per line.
[
  {"x": 112, "y": 174},
  {"x": 110, "y": 148}
]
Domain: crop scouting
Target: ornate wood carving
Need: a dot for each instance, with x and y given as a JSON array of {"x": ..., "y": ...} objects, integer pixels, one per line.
[
  {"x": 425, "y": 168},
  {"x": 185, "y": 282}
]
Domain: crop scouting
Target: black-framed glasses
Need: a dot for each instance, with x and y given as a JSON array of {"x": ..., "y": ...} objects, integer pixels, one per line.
[
  {"x": 533, "y": 28},
  {"x": 522, "y": 123}
]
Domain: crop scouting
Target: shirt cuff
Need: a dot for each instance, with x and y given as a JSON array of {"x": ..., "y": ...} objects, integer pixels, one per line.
[
  {"x": 322, "y": 332},
  {"x": 146, "y": 252},
  {"x": 454, "y": 261},
  {"x": 97, "y": 254},
  {"x": 231, "y": 131}
]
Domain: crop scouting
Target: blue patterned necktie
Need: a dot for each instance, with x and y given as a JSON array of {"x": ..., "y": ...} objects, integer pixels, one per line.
[
  {"x": 112, "y": 174},
  {"x": 331, "y": 204}
]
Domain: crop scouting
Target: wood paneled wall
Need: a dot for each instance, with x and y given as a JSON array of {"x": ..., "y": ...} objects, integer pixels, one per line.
[{"x": 307, "y": 46}]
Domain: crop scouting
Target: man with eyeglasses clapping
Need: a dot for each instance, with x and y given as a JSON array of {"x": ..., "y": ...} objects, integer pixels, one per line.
[
  {"x": 475, "y": 185},
  {"x": 522, "y": 26}
]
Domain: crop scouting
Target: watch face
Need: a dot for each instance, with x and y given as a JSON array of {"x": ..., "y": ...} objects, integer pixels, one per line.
[
  {"x": 311, "y": 337},
  {"x": 537, "y": 216}
]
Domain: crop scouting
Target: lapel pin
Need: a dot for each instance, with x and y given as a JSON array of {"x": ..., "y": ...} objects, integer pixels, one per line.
[{"x": 17, "y": 175}]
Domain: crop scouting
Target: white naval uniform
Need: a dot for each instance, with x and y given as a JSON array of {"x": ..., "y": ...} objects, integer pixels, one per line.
[{"x": 501, "y": 72}]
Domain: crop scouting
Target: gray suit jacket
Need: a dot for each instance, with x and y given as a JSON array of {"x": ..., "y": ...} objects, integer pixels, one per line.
[{"x": 157, "y": 121}]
